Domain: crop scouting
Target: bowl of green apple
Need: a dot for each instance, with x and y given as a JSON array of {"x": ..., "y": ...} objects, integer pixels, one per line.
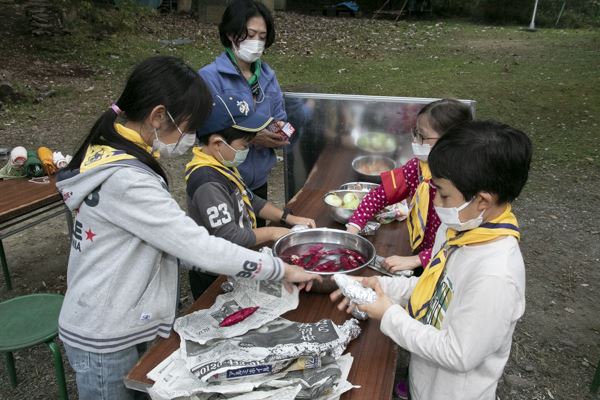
[
  {"x": 342, "y": 203},
  {"x": 377, "y": 143}
]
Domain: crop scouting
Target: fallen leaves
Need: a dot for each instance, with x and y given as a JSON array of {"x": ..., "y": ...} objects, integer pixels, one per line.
[{"x": 358, "y": 38}]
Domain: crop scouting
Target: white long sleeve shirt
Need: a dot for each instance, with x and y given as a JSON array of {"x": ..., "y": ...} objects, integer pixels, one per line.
[{"x": 465, "y": 358}]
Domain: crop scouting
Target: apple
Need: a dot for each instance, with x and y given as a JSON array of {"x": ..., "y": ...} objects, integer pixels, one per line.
[
  {"x": 333, "y": 200},
  {"x": 350, "y": 201},
  {"x": 377, "y": 141},
  {"x": 349, "y": 198},
  {"x": 352, "y": 205},
  {"x": 390, "y": 144},
  {"x": 363, "y": 142}
]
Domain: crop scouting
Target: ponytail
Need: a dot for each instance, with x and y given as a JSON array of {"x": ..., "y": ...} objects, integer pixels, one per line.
[
  {"x": 158, "y": 80},
  {"x": 104, "y": 133}
]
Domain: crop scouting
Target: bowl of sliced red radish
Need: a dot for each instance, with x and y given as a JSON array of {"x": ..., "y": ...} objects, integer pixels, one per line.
[{"x": 325, "y": 251}]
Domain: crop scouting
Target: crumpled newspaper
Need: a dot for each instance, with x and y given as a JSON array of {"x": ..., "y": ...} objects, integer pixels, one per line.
[
  {"x": 271, "y": 296},
  {"x": 326, "y": 382},
  {"x": 286, "y": 393},
  {"x": 267, "y": 350}
]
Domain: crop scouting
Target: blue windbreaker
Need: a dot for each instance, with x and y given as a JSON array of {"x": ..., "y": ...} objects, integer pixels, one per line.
[{"x": 223, "y": 78}]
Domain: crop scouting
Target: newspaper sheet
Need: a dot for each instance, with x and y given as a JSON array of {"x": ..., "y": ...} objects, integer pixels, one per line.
[
  {"x": 287, "y": 393},
  {"x": 267, "y": 350},
  {"x": 174, "y": 381},
  {"x": 271, "y": 297}
]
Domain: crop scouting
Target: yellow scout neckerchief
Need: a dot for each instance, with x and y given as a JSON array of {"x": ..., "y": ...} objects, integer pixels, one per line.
[
  {"x": 504, "y": 225},
  {"x": 419, "y": 207},
  {"x": 202, "y": 159},
  {"x": 97, "y": 155}
]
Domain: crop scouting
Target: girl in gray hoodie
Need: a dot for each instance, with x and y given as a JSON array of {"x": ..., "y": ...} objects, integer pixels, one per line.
[{"x": 129, "y": 232}]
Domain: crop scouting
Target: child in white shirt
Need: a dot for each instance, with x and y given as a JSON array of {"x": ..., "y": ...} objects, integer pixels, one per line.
[{"x": 458, "y": 318}]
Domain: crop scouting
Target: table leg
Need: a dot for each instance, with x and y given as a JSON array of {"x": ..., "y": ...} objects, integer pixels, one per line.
[
  {"x": 5, "y": 267},
  {"x": 58, "y": 370},
  {"x": 10, "y": 367}
]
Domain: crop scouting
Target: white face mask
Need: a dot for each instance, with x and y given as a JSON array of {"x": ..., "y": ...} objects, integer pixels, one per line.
[
  {"x": 186, "y": 140},
  {"x": 249, "y": 50},
  {"x": 450, "y": 217},
  {"x": 421, "y": 151},
  {"x": 240, "y": 157},
  {"x": 173, "y": 149}
]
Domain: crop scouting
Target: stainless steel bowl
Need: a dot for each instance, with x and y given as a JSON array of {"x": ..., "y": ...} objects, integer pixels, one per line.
[
  {"x": 327, "y": 236},
  {"x": 365, "y": 161},
  {"x": 361, "y": 186},
  {"x": 341, "y": 214}
]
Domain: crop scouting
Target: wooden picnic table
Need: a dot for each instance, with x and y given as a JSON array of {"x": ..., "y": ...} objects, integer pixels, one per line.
[
  {"x": 24, "y": 204},
  {"x": 21, "y": 197},
  {"x": 375, "y": 355}
]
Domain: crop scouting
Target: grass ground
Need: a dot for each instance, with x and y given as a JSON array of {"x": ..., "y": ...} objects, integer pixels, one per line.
[{"x": 546, "y": 83}]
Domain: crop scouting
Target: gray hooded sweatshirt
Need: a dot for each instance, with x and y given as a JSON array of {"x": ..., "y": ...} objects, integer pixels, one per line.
[{"x": 122, "y": 273}]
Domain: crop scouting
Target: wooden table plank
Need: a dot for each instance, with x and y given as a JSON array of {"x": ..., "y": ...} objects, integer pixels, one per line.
[
  {"x": 19, "y": 197},
  {"x": 374, "y": 354}
]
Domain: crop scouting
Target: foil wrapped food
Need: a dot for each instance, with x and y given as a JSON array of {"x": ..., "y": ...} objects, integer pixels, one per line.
[
  {"x": 370, "y": 228},
  {"x": 356, "y": 293}
]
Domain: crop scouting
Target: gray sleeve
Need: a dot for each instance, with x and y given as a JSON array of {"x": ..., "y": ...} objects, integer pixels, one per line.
[
  {"x": 144, "y": 208},
  {"x": 217, "y": 210},
  {"x": 257, "y": 204}
]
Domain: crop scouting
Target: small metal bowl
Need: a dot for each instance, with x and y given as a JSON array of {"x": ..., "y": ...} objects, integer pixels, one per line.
[
  {"x": 327, "y": 236},
  {"x": 359, "y": 163},
  {"x": 360, "y": 186},
  {"x": 341, "y": 214}
]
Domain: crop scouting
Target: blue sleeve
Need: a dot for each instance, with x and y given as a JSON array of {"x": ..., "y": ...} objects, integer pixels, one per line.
[{"x": 277, "y": 103}]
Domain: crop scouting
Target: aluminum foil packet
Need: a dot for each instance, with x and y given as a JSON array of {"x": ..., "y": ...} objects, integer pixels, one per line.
[
  {"x": 354, "y": 290},
  {"x": 394, "y": 212},
  {"x": 370, "y": 228},
  {"x": 299, "y": 227},
  {"x": 228, "y": 286},
  {"x": 377, "y": 265},
  {"x": 361, "y": 315}
]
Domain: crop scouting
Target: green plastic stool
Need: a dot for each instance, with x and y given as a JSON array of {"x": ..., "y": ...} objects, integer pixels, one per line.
[
  {"x": 596, "y": 381},
  {"x": 27, "y": 321}
]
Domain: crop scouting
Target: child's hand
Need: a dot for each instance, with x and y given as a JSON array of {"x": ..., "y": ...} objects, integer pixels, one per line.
[
  {"x": 277, "y": 232},
  {"x": 295, "y": 274},
  {"x": 399, "y": 263},
  {"x": 296, "y": 220},
  {"x": 376, "y": 309},
  {"x": 352, "y": 229}
]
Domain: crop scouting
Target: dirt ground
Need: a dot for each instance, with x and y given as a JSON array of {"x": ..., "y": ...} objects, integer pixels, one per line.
[{"x": 556, "y": 346}]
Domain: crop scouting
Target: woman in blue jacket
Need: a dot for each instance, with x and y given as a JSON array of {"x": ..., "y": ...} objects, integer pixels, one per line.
[{"x": 247, "y": 28}]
